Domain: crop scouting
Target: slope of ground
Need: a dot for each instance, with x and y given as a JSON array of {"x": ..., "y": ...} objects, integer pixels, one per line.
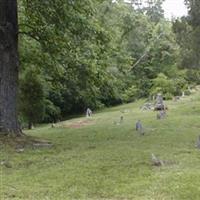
[{"x": 98, "y": 159}]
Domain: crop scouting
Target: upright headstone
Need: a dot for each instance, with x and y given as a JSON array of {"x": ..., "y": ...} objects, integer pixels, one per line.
[
  {"x": 161, "y": 114},
  {"x": 88, "y": 112},
  {"x": 159, "y": 99},
  {"x": 198, "y": 143},
  {"x": 159, "y": 104},
  {"x": 121, "y": 119},
  {"x": 139, "y": 128}
]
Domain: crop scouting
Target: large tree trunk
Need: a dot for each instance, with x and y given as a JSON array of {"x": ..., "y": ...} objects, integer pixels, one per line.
[
  {"x": 30, "y": 125},
  {"x": 9, "y": 64}
]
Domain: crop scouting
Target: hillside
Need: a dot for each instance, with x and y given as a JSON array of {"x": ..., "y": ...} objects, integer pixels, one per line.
[{"x": 97, "y": 159}]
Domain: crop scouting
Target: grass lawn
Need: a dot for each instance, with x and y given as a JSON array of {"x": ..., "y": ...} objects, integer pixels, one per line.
[{"x": 99, "y": 160}]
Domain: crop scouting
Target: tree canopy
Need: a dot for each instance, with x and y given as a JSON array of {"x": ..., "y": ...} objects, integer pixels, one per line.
[{"x": 96, "y": 53}]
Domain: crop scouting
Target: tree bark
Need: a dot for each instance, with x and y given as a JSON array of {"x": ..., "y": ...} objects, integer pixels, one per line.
[{"x": 9, "y": 66}]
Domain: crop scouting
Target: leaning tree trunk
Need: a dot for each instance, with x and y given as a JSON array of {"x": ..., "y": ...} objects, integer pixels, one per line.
[{"x": 9, "y": 63}]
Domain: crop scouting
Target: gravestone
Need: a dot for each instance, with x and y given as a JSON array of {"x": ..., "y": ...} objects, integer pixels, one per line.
[
  {"x": 176, "y": 98},
  {"x": 156, "y": 161},
  {"x": 198, "y": 143},
  {"x": 121, "y": 119},
  {"x": 146, "y": 106},
  {"x": 53, "y": 125},
  {"x": 159, "y": 104},
  {"x": 161, "y": 114},
  {"x": 88, "y": 112},
  {"x": 139, "y": 128},
  {"x": 159, "y": 99}
]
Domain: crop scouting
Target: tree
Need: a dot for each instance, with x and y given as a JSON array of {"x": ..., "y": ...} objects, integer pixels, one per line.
[
  {"x": 9, "y": 66},
  {"x": 187, "y": 30},
  {"x": 193, "y": 19},
  {"x": 32, "y": 97},
  {"x": 183, "y": 32},
  {"x": 154, "y": 10}
]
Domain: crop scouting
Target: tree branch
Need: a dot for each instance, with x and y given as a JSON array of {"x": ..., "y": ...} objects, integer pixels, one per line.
[{"x": 30, "y": 35}]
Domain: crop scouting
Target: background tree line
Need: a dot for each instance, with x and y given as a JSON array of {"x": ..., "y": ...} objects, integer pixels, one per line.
[{"x": 79, "y": 54}]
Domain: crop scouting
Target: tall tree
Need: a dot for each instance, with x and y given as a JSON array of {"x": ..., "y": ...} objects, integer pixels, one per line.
[
  {"x": 194, "y": 15},
  {"x": 9, "y": 64}
]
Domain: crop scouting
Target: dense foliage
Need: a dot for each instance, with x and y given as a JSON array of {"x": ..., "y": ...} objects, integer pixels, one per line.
[
  {"x": 95, "y": 54},
  {"x": 187, "y": 30}
]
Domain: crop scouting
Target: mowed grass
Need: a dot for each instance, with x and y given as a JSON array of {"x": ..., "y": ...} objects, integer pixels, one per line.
[{"x": 101, "y": 160}]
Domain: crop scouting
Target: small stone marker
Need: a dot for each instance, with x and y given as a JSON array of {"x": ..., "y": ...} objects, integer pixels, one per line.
[
  {"x": 19, "y": 150},
  {"x": 120, "y": 121},
  {"x": 6, "y": 164},
  {"x": 176, "y": 98},
  {"x": 42, "y": 145},
  {"x": 146, "y": 106},
  {"x": 156, "y": 161}
]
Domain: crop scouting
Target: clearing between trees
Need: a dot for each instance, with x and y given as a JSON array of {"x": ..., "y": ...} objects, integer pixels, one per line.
[{"x": 104, "y": 160}]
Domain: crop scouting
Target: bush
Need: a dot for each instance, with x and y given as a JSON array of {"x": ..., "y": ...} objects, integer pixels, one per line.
[
  {"x": 168, "y": 96},
  {"x": 180, "y": 85},
  {"x": 193, "y": 76},
  {"x": 130, "y": 94},
  {"x": 161, "y": 84},
  {"x": 187, "y": 92},
  {"x": 52, "y": 112}
]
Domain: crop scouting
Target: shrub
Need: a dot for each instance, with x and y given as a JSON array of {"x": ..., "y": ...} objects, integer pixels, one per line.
[
  {"x": 130, "y": 94},
  {"x": 161, "y": 84},
  {"x": 168, "y": 96},
  {"x": 187, "y": 92}
]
